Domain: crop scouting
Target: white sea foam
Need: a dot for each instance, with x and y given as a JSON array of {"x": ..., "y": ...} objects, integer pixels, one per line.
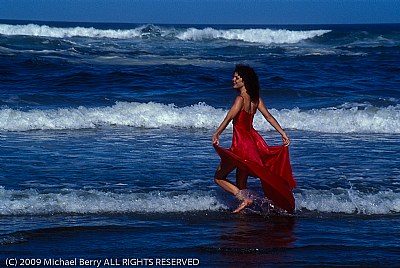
[
  {"x": 57, "y": 32},
  {"x": 356, "y": 119},
  {"x": 143, "y": 115},
  {"x": 348, "y": 201},
  {"x": 155, "y": 115},
  {"x": 32, "y": 202},
  {"x": 265, "y": 36}
]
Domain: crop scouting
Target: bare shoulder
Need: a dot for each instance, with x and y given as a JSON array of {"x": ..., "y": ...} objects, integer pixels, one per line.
[
  {"x": 237, "y": 106},
  {"x": 239, "y": 98},
  {"x": 239, "y": 101}
]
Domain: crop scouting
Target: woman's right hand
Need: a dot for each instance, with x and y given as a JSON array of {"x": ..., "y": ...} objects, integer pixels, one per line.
[{"x": 215, "y": 139}]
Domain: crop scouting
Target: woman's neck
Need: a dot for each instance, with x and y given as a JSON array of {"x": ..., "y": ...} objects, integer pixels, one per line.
[{"x": 243, "y": 91}]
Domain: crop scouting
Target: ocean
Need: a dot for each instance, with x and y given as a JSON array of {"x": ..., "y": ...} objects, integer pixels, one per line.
[{"x": 106, "y": 156}]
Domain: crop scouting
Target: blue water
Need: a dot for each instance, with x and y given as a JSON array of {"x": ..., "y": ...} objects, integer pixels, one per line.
[{"x": 105, "y": 137}]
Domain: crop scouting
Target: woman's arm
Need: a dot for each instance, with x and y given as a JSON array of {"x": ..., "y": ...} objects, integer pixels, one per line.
[
  {"x": 273, "y": 122},
  {"x": 235, "y": 109}
]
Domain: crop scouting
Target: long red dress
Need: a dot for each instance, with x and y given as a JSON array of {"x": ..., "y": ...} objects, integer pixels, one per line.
[{"x": 249, "y": 152}]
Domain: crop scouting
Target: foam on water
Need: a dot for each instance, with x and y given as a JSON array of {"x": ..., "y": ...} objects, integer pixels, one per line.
[
  {"x": 143, "y": 115},
  {"x": 348, "y": 201},
  {"x": 155, "y": 115},
  {"x": 265, "y": 36},
  {"x": 355, "y": 119},
  {"x": 33, "y": 202},
  {"x": 57, "y": 32}
]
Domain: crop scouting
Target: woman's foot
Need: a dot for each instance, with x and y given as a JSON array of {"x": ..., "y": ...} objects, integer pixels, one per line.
[
  {"x": 243, "y": 205},
  {"x": 245, "y": 197}
]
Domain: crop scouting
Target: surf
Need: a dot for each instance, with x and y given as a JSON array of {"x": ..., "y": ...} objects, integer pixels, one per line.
[
  {"x": 75, "y": 201},
  {"x": 344, "y": 119},
  {"x": 348, "y": 201},
  {"x": 264, "y": 36},
  {"x": 254, "y": 35},
  {"x": 70, "y": 201}
]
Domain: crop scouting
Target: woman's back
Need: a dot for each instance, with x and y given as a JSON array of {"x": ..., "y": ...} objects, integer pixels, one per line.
[{"x": 248, "y": 105}]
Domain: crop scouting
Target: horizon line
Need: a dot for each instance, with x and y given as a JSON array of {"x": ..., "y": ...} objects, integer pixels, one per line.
[{"x": 222, "y": 24}]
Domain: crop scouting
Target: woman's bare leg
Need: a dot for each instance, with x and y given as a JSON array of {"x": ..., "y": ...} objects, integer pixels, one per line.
[
  {"x": 241, "y": 182},
  {"x": 227, "y": 185},
  {"x": 220, "y": 178},
  {"x": 241, "y": 178}
]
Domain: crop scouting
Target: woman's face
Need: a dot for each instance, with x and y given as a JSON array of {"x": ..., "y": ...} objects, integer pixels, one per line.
[{"x": 237, "y": 81}]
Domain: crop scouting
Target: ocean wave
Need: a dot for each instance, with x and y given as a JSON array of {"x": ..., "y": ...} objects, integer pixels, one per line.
[
  {"x": 33, "y": 202},
  {"x": 344, "y": 119},
  {"x": 58, "y": 32},
  {"x": 264, "y": 36},
  {"x": 134, "y": 114},
  {"x": 355, "y": 119},
  {"x": 348, "y": 201}
]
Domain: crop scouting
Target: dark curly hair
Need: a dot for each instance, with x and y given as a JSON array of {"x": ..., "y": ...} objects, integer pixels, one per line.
[{"x": 250, "y": 80}]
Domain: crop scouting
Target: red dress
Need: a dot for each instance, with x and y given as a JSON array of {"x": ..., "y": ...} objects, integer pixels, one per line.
[{"x": 249, "y": 152}]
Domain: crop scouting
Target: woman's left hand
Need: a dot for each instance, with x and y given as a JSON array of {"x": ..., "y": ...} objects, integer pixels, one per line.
[{"x": 286, "y": 140}]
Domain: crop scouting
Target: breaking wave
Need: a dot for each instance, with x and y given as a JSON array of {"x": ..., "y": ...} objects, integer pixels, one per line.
[
  {"x": 34, "y": 202},
  {"x": 58, "y": 32},
  {"x": 264, "y": 36},
  {"x": 155, "y": 115},
  {"x": 348, "y": 201}
]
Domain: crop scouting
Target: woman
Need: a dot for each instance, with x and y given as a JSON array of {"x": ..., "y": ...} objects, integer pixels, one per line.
[{"x": 249, "y": 153}]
